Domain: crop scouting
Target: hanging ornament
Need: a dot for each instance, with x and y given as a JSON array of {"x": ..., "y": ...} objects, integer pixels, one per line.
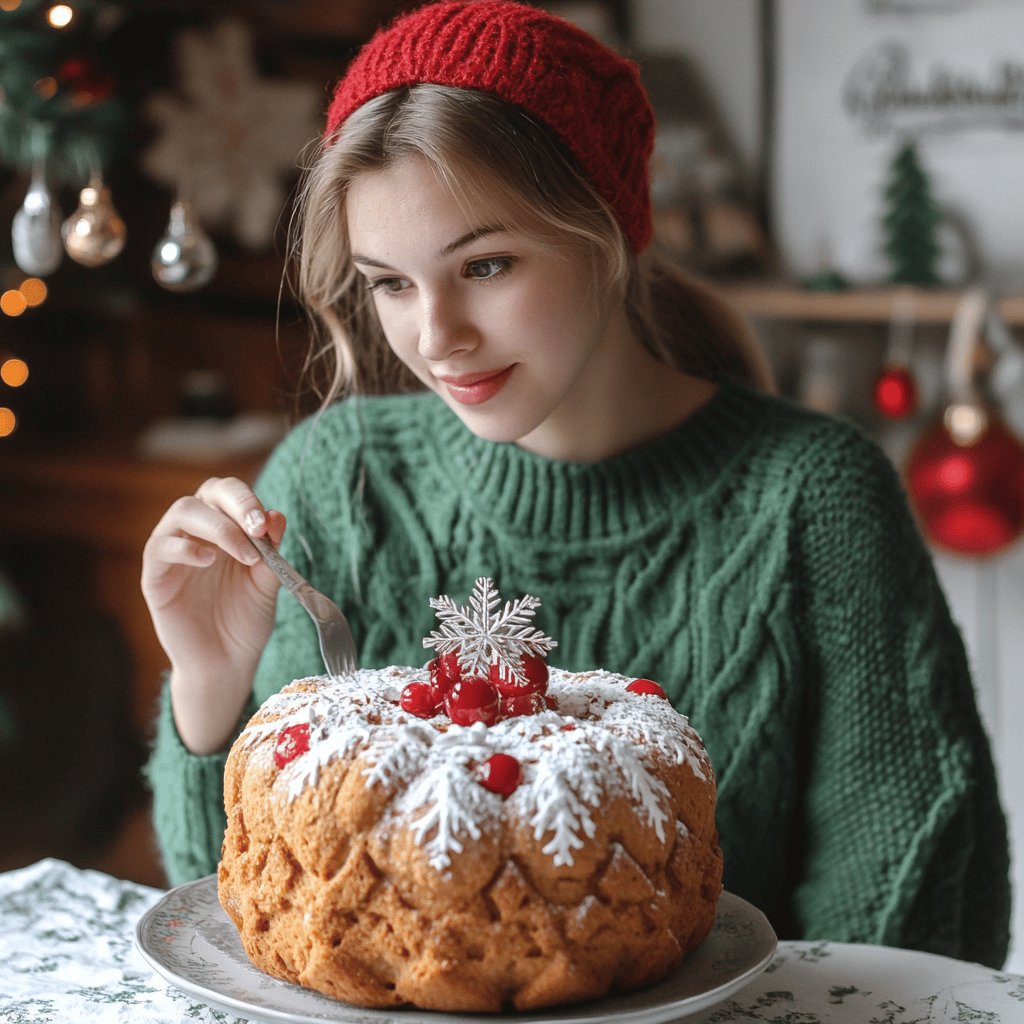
[
  {"x": 965, "y": 475},
  {"x": 87, "y": 83},
  {"x": 184, "y": 259},
  {"x": 35, "y": 230},
  {"x": 230, "y": 133},
  {"x": 895, "y": 391},
  {"x": 94, "y": 234}
]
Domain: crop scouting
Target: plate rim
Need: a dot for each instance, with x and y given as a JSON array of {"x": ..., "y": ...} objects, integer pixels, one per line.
[{"x": 551, "y": 1015}]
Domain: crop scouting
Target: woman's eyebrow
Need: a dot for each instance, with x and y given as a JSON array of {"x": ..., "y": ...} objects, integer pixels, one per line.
[
  {"x": 462, "y": 240},
  {"x": 472, "y": 236},
  {"x": 370, "y": 262}
]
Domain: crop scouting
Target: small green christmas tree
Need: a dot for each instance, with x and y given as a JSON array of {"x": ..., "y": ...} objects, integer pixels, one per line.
[{"x": 910, "y": 222}]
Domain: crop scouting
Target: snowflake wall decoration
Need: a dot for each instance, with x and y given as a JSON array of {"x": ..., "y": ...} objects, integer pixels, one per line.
[
  {"x": 485, "y": 634},
  {"x": 228, "y": 136}
]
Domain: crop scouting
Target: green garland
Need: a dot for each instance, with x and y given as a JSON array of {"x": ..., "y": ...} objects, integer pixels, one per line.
[{"x": 48, "y": 115}]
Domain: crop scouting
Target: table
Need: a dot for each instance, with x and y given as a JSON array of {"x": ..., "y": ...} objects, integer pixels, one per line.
[{"x": 67, "y": 954}]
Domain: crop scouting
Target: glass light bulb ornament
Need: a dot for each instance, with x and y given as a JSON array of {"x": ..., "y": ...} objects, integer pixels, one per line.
[
  {"x": 184, "y": 259},
  {"x": 35, "y": 230},
  {"x": 95, "y": 233}
]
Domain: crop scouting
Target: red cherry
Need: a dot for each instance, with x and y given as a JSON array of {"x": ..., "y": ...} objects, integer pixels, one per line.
[
  {"x": 513, "y": 705},
  {"x": 418, "y": 700},
  {"x": 444, "y": 672},
  {"x": 647, "y": 687},
  {"x": 500, "y": 773},
  {"x": 470, "y": 700},
  {"x": 535, "y": 669},
  {"x": 291, "y": 742},
  {"x": 532, "y": 677}
]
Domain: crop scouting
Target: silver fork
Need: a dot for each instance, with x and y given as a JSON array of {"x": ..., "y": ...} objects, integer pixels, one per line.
[{"x": 337, "y": 647}]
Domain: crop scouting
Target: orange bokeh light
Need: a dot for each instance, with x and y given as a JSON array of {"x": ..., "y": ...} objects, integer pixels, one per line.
[
  {"x": 14, "y": 372},
  {"x": 13, "y": 303},
  {"x": 34, "y": 289},
  {"x": 8, "y": 421},
  {"x": 47, "y": 87}
]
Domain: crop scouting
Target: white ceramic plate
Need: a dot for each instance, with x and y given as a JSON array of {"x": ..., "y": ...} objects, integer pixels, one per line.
[{"x": 188, "y": 939}]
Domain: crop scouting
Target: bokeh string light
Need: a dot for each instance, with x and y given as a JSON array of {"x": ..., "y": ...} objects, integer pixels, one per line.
[
  {"x": 8, "y": 421},
  {"x": 60, "y": 15},
  {"x": 32, "y": 292},
  {"x": 14, "y": 372},
  {"x": 12, "y": 302}
]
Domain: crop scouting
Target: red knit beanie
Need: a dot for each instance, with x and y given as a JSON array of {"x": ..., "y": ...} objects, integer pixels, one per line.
[{"x": 586, "y": 93}]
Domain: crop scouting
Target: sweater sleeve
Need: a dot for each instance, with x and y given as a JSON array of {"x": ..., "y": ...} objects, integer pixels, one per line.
[
  {"x": 904, "y": 837},
  {"x": 188, "y": 799},
  {"x": 188, "y": 789}
]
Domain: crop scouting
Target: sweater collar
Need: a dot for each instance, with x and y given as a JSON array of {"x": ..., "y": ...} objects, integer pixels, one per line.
[{"x": 540, "y": 497}]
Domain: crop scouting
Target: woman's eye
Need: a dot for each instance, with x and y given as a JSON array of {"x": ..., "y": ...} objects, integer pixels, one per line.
[
  {"x": 488, "y": 269},
  {"x": 392, "y": 285}
]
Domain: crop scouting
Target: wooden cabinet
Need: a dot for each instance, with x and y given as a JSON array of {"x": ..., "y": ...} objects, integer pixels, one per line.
[{"x": 107, "y": 501}]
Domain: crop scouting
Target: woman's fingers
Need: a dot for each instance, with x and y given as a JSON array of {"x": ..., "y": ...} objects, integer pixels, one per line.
[
  {"x": 216, "y": 522},
  {"x": 193, "y": 517},
  {"x": 275, "y": 526},
  {"x": 236, "y": 499},
  {"x": 178, "y": 550}
]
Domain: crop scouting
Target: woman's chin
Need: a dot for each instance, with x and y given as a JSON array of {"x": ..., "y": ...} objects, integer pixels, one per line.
[{"x": 491, "y": 425}]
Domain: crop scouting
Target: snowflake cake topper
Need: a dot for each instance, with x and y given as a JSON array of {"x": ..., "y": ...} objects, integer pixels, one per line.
[{"x": 484, "y": 634}]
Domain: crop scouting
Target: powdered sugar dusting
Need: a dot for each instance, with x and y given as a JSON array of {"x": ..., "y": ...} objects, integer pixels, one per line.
[{"x": 598, "y": 744}]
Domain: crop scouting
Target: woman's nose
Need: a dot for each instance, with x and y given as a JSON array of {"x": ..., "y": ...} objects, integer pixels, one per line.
[{"x": 444, "y": 328}]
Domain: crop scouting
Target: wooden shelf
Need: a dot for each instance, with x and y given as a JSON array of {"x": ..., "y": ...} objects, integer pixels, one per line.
[{"x": 869, "y": 305}]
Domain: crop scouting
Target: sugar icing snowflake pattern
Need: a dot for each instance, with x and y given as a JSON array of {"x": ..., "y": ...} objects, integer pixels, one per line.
[
  {"x": 476, "y": 735},
  {"x": 484, "y": 634}
]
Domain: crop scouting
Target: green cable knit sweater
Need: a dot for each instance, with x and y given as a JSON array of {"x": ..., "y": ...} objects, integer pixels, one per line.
[{"x": 759, "y": 561}]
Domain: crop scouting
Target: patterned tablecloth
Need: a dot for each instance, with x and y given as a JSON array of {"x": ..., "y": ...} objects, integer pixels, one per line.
[{"x": 67, "y": 954}]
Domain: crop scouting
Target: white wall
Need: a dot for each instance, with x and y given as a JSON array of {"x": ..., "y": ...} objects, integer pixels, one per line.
[
  {"x": 721, "y": 38},
  {"x": 825, "y": 193}
]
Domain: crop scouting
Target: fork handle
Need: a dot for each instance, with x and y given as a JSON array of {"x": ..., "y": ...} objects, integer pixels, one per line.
[{"x": 282, "y": 569}]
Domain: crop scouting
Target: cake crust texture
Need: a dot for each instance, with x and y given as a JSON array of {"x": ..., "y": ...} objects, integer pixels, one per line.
[{"x": 388, "y": 858}]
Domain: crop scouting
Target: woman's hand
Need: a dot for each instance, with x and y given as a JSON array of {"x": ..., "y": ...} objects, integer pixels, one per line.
[{"x": 212, "y": 603}]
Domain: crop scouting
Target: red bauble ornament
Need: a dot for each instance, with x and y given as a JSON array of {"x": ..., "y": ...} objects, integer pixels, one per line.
[
  {"x": 647, "y": 688},
  {"x": 87, "y": 82},
  {"x": 500, "y": 773},
  {"x": 418, "y": 700},
  {"x": 291, "y": 743},
  {"x": 965, "y": 477},
  {"x": 470, "y": 700},
  {"x": 895, "y": 391}
]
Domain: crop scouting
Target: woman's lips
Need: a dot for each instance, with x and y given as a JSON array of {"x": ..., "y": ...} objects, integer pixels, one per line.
[{"x": 475, "y": 388}]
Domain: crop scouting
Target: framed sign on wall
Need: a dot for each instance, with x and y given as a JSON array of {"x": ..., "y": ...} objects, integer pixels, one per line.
[{"x": 854, "y": 81}]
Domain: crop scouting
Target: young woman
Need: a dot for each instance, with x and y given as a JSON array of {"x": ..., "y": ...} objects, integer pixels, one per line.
[{"x": 514, "y": 387}]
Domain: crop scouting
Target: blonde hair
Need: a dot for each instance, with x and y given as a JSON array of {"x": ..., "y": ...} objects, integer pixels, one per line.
[{"x": 482, "y": 146}]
